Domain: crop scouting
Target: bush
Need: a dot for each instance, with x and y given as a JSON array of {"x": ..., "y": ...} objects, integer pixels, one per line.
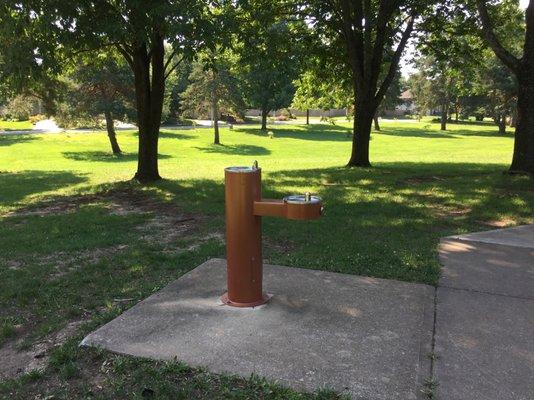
[
  {"x": 19, "y": 108},
  {"x": 36, "y": 118}
]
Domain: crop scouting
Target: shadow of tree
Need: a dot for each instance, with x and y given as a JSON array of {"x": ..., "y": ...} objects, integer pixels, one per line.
[
  {"x": 166, "y": 134},
  {"x": 17, "y": 185},
  {"x": 335, "y": 133},
  {"x": 9, "y": 140},
  {"x": 415, "y": 132},
  {"x": 384, "y": 221},
  {"x": 103, "y": 156},
  {"x": 428, "y": 133},
  {"x": 240, "y": 149}
]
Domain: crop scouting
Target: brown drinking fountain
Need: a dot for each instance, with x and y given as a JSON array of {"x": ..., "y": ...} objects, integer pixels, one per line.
[{"x": 244, "y": 209}]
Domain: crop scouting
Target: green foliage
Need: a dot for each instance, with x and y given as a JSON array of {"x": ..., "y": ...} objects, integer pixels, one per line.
[
  {"x": 97, "y": 84},
  {"x": 18, "y": 108},
  {"x": 268, "y": 53},
  {"x": 316, "y": 92},
  {"x": 213, "y": 88}
]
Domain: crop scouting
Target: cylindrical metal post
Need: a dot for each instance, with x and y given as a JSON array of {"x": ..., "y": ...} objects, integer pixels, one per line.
[{"x": 243, "y": 238}]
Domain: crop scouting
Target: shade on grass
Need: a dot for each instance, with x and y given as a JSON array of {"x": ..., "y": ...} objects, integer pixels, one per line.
[{"x": 384, "y": 221}]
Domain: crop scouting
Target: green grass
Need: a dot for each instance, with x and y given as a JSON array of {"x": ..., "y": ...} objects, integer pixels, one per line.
[
  {"x": 15, "y": 125},
  {"x": 80, "y": 244}
]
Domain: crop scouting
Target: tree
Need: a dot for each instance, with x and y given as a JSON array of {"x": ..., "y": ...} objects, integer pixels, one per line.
[
  {"x": 454, "y": 55},
  {"x": 103, "y": 85},
  {"x": 138, "y": 30},
  {"x": 314, "y": 90},
  {"x": 213, "y": 88},
  {"x": 391, "y": 99},
  {"x": 496, "y": 85},
  {"x": 369, "y": 37},
  {"x": 523, "y": 69},
  {"x": 268, "y": 55}
]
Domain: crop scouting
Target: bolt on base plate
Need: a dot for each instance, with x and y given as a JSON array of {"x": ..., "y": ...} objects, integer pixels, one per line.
[{"x": 265, "y": 298}]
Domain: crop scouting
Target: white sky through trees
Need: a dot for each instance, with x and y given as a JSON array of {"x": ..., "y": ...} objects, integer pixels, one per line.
[{"x": 407, "y": 67}]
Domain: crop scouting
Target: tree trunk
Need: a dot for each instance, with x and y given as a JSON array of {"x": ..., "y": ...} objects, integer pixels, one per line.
[
  {"x": 111, "y": 133},
  {"x": 307, "y": 116},
  {"x": 523, "y": 158},
  {"x": 264, "y": 114},
  {"x": 502, "y": 124},
  {"x": 444, "y": 115},
  {"x": 513, "y": 118},
  {"x": 149, "y": 94},
  {"x": 215, "y": 118},
  {"x": 377, "y": 123},
  {"x": 364, "y": 113}
]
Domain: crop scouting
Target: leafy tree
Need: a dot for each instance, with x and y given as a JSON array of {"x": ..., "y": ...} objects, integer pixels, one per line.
[
  {"x": 214, "y": 89},
  {"x": 368, "y": 37},
  {"x": 102, "y": 85},
  {"x": 268, "y": 54},
  {"x": 138, "y": 30},
  {"x": 315, "y": 91},
  {"x": 496, "y": 85},
  {"x": 520, "y": 63},
  {"x": 391, "y": 99}
]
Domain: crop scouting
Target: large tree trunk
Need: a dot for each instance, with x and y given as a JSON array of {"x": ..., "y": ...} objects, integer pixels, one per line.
[
  {"x": 149, "y": 93},
  {"x": 307, "y": 116},
  {"x": 264, "y": 114},
  {"x": 215, "y": 118},
  {"x": 377, "y": 123},
  {"x": 364, "y": 113},
  {"x": 111, "y": 133},
  {"x": 523, "y": 158}
]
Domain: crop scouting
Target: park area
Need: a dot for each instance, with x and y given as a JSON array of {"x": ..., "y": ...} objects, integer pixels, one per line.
[
  {"x": 267, "y": 200},
  {"x": 80, "y": 244}
]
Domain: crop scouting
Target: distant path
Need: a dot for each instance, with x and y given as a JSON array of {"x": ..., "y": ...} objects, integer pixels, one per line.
[
  {"x": 484, "y": 329},
  {"x": 49, "y": 126}
]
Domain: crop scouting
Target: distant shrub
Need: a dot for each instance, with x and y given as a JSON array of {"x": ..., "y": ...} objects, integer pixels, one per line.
[
  {"x": 36, "y": 118},
  {"x": 282, "y": 118},
  {"x": 18, "y": 109}
]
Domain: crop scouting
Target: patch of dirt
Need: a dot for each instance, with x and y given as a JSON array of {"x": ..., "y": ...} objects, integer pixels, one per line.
[
  {"x": 167, "y": 225},
  {"x": 119, "y": 202},
  {"x": 281, "y": 247},
  {"x": 16, "y": 362},
  {"x": 502, "y": 223},
  {"x": 420, "y": 179},
  {"x": 448, "y": 212}
]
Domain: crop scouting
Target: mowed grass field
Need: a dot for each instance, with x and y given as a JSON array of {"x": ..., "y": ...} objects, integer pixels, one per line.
[{"x": 79, "y": 243}]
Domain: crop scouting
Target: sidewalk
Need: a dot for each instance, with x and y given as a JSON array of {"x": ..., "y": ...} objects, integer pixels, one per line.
[{"x": 484, "y": 340}]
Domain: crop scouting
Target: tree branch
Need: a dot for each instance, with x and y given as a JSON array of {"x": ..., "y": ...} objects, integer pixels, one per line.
[
  {"x": 395, "y": 61},
  {"x": 126, "y": 54},
  {"x": 169, "y": 72},
  {"x": 504, "y": 55}
]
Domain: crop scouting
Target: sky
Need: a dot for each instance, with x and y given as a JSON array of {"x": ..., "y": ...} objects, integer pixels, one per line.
[{"x": 407, "y": 68}]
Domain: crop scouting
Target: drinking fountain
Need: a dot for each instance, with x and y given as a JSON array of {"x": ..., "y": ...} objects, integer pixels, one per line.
[{"x": 245, "y": 208}]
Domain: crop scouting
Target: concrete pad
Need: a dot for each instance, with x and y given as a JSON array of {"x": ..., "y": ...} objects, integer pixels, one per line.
[
  {"x": 485, "y": 346},
  {"x": 520, "y": 236},
  {"x": 486, "y": 267},
  {"x": 363, "y": 336}
]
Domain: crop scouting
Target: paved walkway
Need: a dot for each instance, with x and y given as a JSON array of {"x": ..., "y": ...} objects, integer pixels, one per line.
[{"x": 484, "y": 331}]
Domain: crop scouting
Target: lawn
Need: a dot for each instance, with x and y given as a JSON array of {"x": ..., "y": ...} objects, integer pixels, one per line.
[
  {"x": 80, "y": 244},
  {"x": 15, "y": 125}
]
